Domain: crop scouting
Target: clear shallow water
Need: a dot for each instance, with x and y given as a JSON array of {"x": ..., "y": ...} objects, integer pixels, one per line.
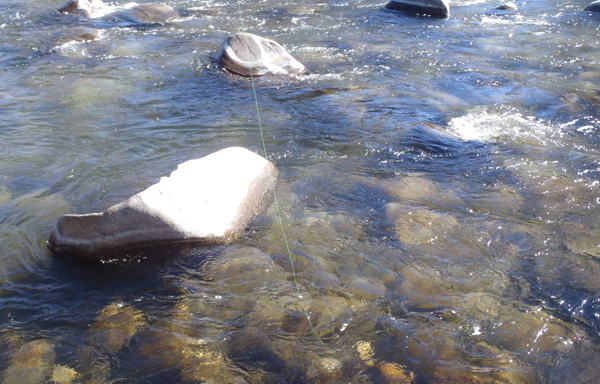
[{"x": 439, "y": 191}]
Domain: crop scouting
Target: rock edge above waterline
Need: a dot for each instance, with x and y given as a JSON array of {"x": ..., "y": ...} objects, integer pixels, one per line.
[
  {"x": 593, "y": 7},
  {"x": 251, "y": 55},
  {"x": 205, "y": 201},
  {"x": 145, "y": 13},
  {"x": 434, "y": 8}
]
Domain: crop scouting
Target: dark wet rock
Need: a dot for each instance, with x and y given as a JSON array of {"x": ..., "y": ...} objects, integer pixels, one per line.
[
  {"x": 80, "y": 34},
  {"x": 593, "y": 7},
  {"x": 509, "y": 6},
  {"x": 435, "y": 8},
  {"x": 152, "y": 13},
  {"x": 250, "y": 55},
  {"x": 89, "y": 8},
  {"x": 204, "y": 201}
]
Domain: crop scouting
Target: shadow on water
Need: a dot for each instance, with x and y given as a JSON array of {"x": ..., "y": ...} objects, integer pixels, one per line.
[{"x": 95, "y": 313}]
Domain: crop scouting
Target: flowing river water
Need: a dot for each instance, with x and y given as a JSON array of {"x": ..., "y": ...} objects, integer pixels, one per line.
[{"x": 439, "y": 191}]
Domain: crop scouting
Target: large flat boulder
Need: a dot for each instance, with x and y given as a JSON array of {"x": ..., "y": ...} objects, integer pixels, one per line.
[
  {"x": 434, "y": 8},
  {"x": 250, "y": 55},
  {"x": 205, "y": 200}
]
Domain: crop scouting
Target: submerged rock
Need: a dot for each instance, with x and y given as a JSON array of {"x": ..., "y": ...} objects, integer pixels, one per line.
[
  {"x": 250, "y": 55},
  {"x": 593, "y": 7},
  {"x": 5, "y": 195},
  {"x": 395, "y": 373},
  {"x": 116, "y": 325},
  {"x": 30, "y": 364},
  {"x": 63, "y": 375},
  {"x": 435, "y": 8},
  {"x": 89, "y": 8},
  {"x": 152, "y": 13},
  {"x": 509, "y": 6},
  {"x": 205, "y": 200}
]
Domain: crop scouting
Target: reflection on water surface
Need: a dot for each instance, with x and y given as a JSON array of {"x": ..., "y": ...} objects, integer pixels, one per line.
[{"x": 439, "y": 194}]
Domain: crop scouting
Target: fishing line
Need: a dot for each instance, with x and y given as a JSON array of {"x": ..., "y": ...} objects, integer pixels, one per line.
[{"x": 287, "y": 245}]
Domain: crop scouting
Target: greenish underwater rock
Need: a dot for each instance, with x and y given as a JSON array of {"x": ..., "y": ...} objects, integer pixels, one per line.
[
  {"x": 152, "y": 13},
  {"x": 31, "y": 364}
]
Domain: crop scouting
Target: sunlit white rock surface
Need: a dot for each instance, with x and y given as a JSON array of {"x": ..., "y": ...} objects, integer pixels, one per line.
[
  {"x": 435, "y": 8},
  {"x": 250, "y": 55},
  {"x": 89, "y": 8},
  {"x": 205, "y": 200},
  {"x": 152, "y": 13}
]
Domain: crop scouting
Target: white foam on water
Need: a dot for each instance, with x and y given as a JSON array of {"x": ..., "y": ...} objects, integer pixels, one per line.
[
  {"x": 511, "y": 126},
  {"x": 97, "y": 13}
]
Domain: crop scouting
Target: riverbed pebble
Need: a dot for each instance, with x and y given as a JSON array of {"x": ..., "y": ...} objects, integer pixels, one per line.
[
  {"x": 152, "y": 13},
  {"x": 395, "y": 373},
  {"x": 435, "y": 8},
  {"x": 420, "y": 225},
  {"x": 116, "y": 325},
  {"x": 206, "y": 200},
  {"x": 251, "y": 55}
]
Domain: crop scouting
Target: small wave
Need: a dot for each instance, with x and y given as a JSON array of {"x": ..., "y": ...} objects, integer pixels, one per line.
[{"x": 506, "y": 126}]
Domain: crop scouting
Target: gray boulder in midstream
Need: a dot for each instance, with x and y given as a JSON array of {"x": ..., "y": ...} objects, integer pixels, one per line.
[
  {"x": 435, "y": 8},
  {"x": 593, "y": 7},
  {"x": 250, "y": 55},
  {"x": 205, "y": 201},
  {"x": 152, "y": 13}
]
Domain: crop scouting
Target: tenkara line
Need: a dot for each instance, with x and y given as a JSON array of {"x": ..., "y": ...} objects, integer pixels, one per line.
[{"x": 287, "y": 245}]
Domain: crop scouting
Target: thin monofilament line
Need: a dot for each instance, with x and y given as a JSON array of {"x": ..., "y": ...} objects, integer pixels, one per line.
[{"x": 287, "y": 245}]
